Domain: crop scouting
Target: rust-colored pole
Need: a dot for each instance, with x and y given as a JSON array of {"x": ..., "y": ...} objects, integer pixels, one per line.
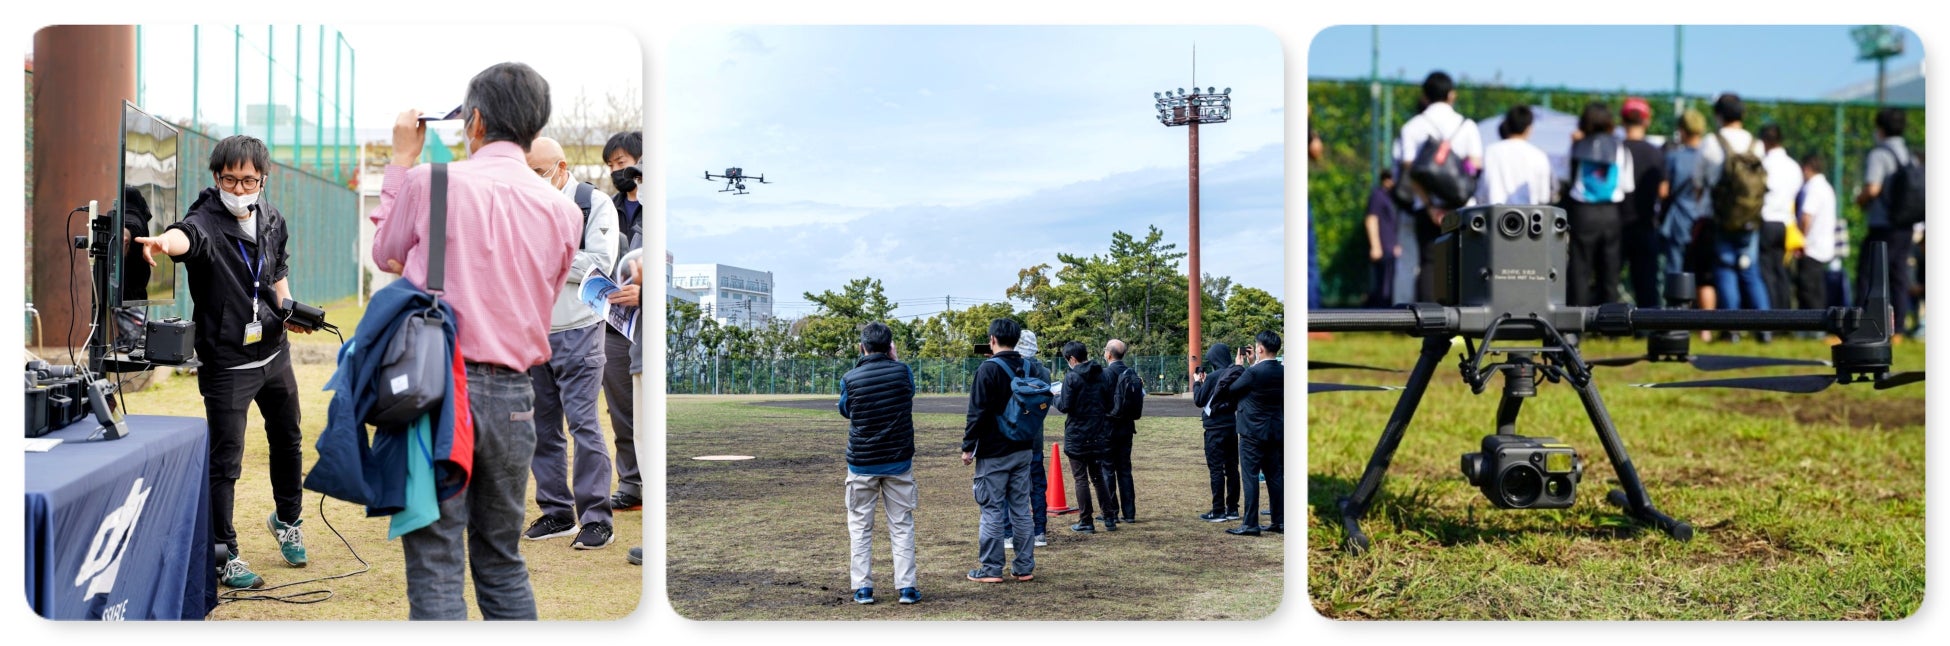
[
  {"x": 82, "y": 73},
  {"x": 1192, "y": 296}
]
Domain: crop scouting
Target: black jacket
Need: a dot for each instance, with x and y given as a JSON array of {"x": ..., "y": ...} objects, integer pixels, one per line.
[
  {"x": 628, "y": 226},
  {"x": 1261, "y": 393},
  {"x": 1115, "y": 371},
  {"x": 987, "y": 397},
  {"x": 1218, "y": 413},
  {"x": 878, "y": 396},
  {"x": 220, "y": 282},
  {"x": 1085, "y": 403}
]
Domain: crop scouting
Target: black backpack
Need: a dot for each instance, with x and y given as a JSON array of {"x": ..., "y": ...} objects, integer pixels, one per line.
[
  {"x": 1127, "y": 397},
  {"x": 1440, "y": 173},
  {"x": 1902, "y": 191}
]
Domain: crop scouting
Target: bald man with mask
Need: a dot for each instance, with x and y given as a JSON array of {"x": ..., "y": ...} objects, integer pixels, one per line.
[{"x": 568, "y": 384}]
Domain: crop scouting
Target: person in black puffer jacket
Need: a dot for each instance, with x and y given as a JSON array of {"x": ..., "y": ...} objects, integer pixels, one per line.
[
  {"x": 1221, "y": 431},
  {"x": 877, "y": 396},
  {"x": 1085, "y": 399},
  {"x": 1261, "y": 393}
]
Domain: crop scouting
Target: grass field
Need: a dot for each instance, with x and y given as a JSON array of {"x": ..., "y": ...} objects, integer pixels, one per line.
[
  {"x": 766, "y": 538},
  {"x": 568, "y": 583},
  {"x": 1805, "y": 506}
]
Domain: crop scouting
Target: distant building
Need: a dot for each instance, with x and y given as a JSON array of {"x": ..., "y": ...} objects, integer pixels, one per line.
[
  {"x": 673, "y": 293},
  {"x": 1904, "y": 88},
  {"x": 732, "y": 295}
]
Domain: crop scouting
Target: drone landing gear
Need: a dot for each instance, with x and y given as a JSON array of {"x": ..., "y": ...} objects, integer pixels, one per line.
[{"x": 1631, "y": 497}]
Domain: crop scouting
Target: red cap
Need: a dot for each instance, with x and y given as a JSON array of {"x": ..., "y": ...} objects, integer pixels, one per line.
[{"x": 1638, "y": 105}]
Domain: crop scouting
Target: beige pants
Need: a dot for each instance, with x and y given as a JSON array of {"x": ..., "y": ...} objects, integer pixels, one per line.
[{"x": 900, "y": 497}]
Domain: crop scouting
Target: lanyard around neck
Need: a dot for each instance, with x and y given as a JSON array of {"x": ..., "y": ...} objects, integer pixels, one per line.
[{"x": 256, "y": 272}]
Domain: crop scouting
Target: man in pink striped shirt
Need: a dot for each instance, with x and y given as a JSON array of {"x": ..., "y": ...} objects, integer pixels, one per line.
[{"x": 510, "y": 241}]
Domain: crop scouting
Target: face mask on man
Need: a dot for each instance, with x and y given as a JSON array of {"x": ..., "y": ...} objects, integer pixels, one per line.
[
  {"x": 238, "y": 205},
  {"x": 625, "y": 178}
]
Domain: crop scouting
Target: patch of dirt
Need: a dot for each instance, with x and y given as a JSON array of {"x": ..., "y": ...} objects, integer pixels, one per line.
[{"x": 1853, "y": 414}]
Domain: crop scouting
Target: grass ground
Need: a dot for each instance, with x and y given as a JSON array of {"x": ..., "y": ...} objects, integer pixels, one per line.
[
  {"x": 766, "y": 538},
  {"x": 1805, "y": 506},
  {"x": 568, "y": 583}
]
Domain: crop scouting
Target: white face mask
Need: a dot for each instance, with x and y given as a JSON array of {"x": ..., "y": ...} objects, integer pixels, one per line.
[{"x": 238, "y": 205}]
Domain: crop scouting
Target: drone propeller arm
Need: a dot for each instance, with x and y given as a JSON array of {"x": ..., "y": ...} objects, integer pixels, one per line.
[
  {"x": 1420, "y": 320},
  {"x": 1653, "y": 320}
]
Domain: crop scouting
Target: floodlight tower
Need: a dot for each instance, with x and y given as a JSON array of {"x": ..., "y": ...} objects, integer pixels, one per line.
[
  {"x": 1182, "y": 109},
  {"x": 1878, "y": 43}
]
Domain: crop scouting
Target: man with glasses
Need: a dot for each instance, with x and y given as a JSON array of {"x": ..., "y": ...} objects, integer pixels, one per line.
[
  {"x": 567, "y": 385},
  {"x": 231, "y": 245}
]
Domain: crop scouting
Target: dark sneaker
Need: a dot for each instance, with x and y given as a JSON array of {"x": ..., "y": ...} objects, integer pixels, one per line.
[
  {"x": 1110, "y": 525},
  {"x": 910, "y": 595},
  {"x": 863, "y": 596},
  {"x": 1232, "y": 515},
  {"x": 595, "y": 536},
  {"x": 1128, "y": 520},
  {"x": 621, "y": 501},
  {"x": 235, "y": 573},
  {"x": 1213, "y": 517},
  {"x": 291, "y": 539},
  {"x": 1080, "y": 527},
  {"x": 978, "y": 576},
  {"x": 1023, "y": 577},
  {"x": 1246, "y": 530},
  {"x": 636, "y": 555},
  {"x": 548, "y": 527},
  {"x": 1041, "y": 540},
  {"x": 1277, "y": 528}
]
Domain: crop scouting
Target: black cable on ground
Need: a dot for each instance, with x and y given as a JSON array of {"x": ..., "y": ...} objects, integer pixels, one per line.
[{"x": 307, "y": 596}]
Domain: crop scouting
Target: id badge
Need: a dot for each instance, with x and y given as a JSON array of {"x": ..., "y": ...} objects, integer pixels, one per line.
[{"x": 253, "y": 332}]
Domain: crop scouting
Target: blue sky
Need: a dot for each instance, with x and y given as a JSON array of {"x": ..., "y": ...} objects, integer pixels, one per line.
[
  {"x": 941, "y": 160},
  {"x": 1761, "y": 62}
]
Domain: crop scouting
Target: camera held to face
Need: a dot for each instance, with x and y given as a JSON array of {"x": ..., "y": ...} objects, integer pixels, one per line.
[{"x": 1518, "y": 472}]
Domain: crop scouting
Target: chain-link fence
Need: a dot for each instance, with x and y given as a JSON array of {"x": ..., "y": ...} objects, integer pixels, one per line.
[{"x": 725, "y": 376}]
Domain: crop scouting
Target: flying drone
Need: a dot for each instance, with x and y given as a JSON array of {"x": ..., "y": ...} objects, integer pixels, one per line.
[
  {"x": 734, "y": 180},
  {"x": 1499, "y": 286}
]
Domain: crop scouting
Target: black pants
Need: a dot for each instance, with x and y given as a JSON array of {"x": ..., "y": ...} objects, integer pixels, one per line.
[
  {"x": 1642, "y": 245},
  {"x": 1222, "y": 463},
  {"x": 1263, "y": 456},
  {"x": 1097, "y": 468},
  {"x": 1810, "y": 283},
  {"x": 1900, "y": 247},
  {"x": 1596, "y": 235},
  {"x": 1381, "y": 281},
  {"x": 227, "y": 396},
  {"x": 1773, "y": 263},
  {"x": 620, "y": 394},
  {"x": 1120, "y": 462},
  {"x": 1426, "y": 232}
]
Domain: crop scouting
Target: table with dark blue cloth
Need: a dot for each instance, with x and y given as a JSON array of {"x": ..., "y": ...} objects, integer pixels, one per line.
[{"x": 121, "y": 529}]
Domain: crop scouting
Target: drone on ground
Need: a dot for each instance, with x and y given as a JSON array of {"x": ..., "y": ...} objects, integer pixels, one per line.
[
  {"x": 1499, "y": 281},
  {"x": 734, "y": 180}
]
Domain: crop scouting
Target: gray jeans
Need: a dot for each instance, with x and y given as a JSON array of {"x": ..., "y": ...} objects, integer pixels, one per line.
[
  {"x": 489, "y": 511},
  {"x": 622, "y": 409},
  {"x": 1002, "y": 488},
  {"x": 898, "y": 495},
  {"x": 567, "y": 386}
]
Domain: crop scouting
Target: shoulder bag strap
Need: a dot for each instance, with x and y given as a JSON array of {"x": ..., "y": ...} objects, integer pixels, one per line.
[{"x": 437, "y": 231}]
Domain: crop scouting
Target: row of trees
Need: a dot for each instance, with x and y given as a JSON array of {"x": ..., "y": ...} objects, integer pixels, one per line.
[{"x": 1135, "y": 292}]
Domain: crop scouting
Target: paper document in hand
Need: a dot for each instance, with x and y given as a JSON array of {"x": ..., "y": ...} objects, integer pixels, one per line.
[{"x": 596, "y": 288}]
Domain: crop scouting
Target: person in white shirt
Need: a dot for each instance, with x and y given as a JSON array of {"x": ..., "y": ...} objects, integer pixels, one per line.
[
  {"x": 1815, "y": 214},
  {"x": 1601, "y": 177},
  {"x": 1776, "y": 213},
  {"x": 1438, "y": 121},
  {"x": 1736, "y": 273},
  {"x": 1515, "y": 171}
]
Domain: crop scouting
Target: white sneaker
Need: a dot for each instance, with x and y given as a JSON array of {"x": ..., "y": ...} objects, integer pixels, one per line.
[
  {"x": 1009, "y": 543},
  {"x": 1041, "y": 541}
]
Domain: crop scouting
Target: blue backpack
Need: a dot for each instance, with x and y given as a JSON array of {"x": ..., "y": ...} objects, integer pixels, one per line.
[
  {"x": 1596, "y": 158},
  {"x": 1029, "y": 401}
]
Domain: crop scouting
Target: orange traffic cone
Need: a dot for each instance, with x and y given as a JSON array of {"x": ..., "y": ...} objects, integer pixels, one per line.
[{"x": 1058, "y": 499}]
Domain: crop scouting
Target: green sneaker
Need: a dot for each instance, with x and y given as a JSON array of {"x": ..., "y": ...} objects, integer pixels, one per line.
[
  {"x": 235, "y": 573},
  {"x": 291, "y": 539}
]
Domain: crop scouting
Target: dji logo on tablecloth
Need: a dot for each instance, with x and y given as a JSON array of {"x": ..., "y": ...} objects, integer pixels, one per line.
[{"x": 110, "y": 542}]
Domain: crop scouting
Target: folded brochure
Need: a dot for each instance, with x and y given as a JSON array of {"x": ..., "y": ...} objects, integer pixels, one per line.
[{"x": 596, "y": 288}]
